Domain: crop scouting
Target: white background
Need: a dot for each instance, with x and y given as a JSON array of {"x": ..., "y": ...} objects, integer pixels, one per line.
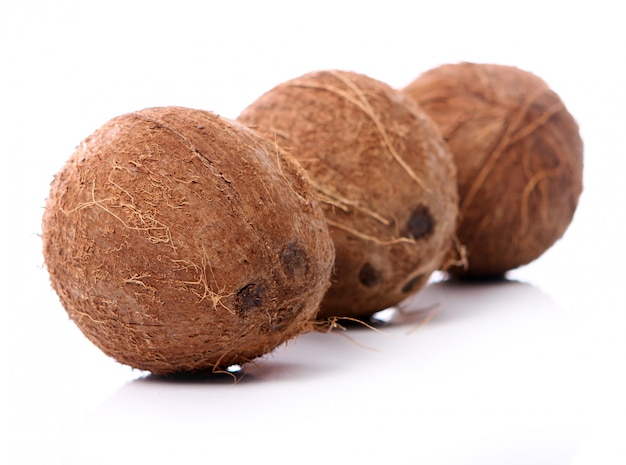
[{"x": 529, "y": 371}]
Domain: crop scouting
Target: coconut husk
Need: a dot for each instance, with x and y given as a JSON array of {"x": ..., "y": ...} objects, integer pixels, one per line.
[
  {"x": 519, "y": 157},
  {"x": 384, "y": 176},
  {"x": 179, "y": 241}
]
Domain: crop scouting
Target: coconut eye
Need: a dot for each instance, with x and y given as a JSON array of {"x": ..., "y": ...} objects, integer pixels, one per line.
[
  {"x": 368, "y": 276},
  {"x": 420, "y": 223},
  {"x": 250, "y": 296}
]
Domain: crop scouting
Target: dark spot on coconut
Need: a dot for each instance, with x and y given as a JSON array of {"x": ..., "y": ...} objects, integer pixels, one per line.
[
  {"x": 294, "y": 260},
  {"x": 420, "y": 222},
  {"x": 368, "y": 275},
  {"x": 250, "y": 296},
  {"x": 413, "y": 283}
]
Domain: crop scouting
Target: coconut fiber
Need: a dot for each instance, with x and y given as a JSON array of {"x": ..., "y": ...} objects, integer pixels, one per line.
[
  {"x": 519, "y": 157},
  {"x": 384, "y": 176},
  {"x": 179, "y": 241}
]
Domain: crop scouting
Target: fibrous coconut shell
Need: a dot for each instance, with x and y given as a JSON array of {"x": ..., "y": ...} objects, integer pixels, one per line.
[
  {"x": 519, "y": 156},
  {"x": 384, "y": 176},
  {"x": 179, "y": 241}
]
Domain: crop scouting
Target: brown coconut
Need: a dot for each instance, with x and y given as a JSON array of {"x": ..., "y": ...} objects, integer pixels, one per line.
[
  {"x": 384, "y": 176},
  {"x": 519, "y": 157},
  {"x": 179, "y": 241}
]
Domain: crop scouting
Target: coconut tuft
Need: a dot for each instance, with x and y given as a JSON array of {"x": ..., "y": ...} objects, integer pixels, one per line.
[
  {"x": 179, "y": 241},
  {"x": 383, "y": 174},
  {"x": 519, "y": 157}
]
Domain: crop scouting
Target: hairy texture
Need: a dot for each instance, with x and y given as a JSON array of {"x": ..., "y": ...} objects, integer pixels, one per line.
[
  {"x": 179, "y": 241},
  {"x": 384, "y": 176},
  {"x": 519, "y": 158}
]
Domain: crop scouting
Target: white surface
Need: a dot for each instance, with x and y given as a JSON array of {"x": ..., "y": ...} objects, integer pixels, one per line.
[{"x": 528, "y": 371}]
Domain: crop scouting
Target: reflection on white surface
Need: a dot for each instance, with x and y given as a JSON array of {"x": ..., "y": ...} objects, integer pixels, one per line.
[{"x": 491, "y": 375}]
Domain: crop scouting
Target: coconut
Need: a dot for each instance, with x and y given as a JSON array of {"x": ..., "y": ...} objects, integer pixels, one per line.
[
  {"x": 384, "y": 176},
  {"x": 519, "y": 157},
  {"x": 179, "y": 241}
]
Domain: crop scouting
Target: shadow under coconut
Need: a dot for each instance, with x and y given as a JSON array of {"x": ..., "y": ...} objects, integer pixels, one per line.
[
  {"x": 453, "y": 298},
  {"x": 262, "y": 370},
  {"x": 230, "y": 375},
  {"x": 422, "y": 306}
]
